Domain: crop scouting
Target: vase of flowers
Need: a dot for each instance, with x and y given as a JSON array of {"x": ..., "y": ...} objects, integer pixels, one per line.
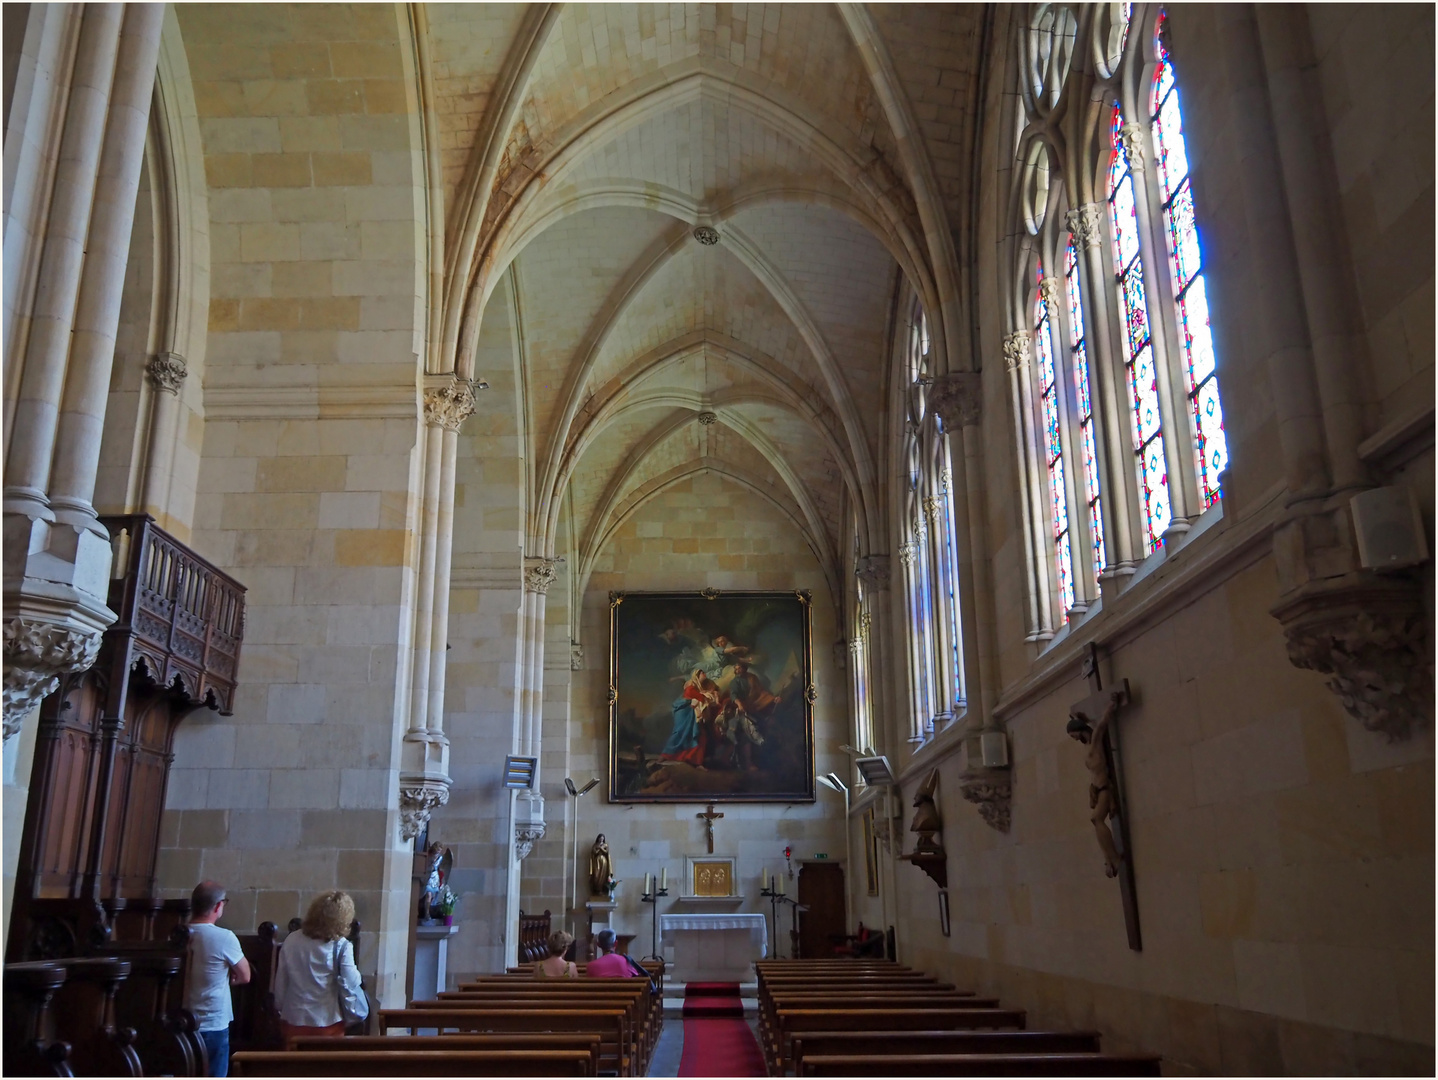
[
  {"x": 613, "y": 884},
  {"x": 444, "y": 904}
]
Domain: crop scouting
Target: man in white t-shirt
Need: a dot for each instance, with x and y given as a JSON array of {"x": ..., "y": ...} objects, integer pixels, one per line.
[{"x": 216, "y": 963}]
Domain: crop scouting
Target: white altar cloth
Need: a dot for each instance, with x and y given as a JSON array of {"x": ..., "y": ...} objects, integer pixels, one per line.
[{"x": 717, "y": 946}]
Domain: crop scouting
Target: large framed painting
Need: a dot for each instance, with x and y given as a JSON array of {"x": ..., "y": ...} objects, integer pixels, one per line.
[{"x": 711, "y": 697}]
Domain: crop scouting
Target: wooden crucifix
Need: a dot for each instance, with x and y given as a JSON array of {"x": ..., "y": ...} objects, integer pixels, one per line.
[
  {"x": 708, "y": 816},
  {"x": 1093, "y": 722}
]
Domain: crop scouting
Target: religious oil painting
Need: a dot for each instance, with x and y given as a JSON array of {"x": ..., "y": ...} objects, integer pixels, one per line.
[{"x": 711, "y": 697}]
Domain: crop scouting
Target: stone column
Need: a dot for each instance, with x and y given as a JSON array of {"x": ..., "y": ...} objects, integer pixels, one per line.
[
  {"x": 97, "y": 314},
  {"x": 57, "y": 565},
  {"x": 528, "y": 817},
  {"x": 876, "y": 572},
  {"x": 167, "y": 372},
  {"x": 424, "y": 757}
]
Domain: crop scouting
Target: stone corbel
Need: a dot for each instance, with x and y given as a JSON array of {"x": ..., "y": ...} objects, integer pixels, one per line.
[
  {"x": 526, "y": 835},
  {"x": 958, "y": 399},
  {"x": 417, "y": 801},
  {"x": 449, "y": 400},
  {"x": 167, "y": 371},
  {"x": 991, "y": 790},
  {"x": 36, "y": 654},
  {"x": 873, "y": 571},
  {"x": 1370, "y": 639},
  {"x": 539, "y": 574}
]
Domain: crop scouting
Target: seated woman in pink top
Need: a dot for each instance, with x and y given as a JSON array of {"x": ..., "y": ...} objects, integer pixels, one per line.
[{"x": 610, "y": 963}]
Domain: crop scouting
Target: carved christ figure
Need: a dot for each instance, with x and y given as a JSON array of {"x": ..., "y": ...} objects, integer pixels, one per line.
[{"x": 1101, "y": 798}]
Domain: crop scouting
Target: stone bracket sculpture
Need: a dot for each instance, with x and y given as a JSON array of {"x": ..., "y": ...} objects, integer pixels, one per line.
[
  {"x": 37, "y": 653},
  {"x": 991, "y": 790},
  {"x": 526, "y": 835},
  {"x": 417, "y": 801},
  {"x": 1369, "y": 638}
]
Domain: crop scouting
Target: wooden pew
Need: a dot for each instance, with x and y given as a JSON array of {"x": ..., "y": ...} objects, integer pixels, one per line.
[
  {"x": 786, "y": 1021},
  {"x": 412, "y": 1063},
  {"x": 549, "y": 1040},
  {"x": 981, "y": 1065},
  {"x": 29, "y": 1046},
  {"x": 647, "y": 1009},
  {"x": 638, "y": 1037},
  {"x": 867, "y": 1043},
  {"x": 608, "y": 1024},
  {"x": 903, "y": 1001}
]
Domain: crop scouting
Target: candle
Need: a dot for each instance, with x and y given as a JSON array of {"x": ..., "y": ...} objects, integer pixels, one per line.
[
  {"x": 646, "y": 883},
  {"x": 664, "y": 879},
  {"x": 765, "y": 879},
  {"x": 781, "y": 884}
]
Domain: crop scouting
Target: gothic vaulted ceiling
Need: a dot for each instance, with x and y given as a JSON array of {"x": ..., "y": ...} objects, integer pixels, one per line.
[{"x": 691, "y": 222}]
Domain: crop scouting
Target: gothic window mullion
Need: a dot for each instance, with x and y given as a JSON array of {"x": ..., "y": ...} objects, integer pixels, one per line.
[
  {"x": 1166, "y": 350},
  {"x": 1101, "y": 303},
  {"x": 940, "y": 575},
  {"x": 1071, "y": 432},
  {"x": 1018, "y": 350},
  {"x": 1048, "y": 378}
]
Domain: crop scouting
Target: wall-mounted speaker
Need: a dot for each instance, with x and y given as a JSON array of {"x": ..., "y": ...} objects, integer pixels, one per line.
[{"x": 1389, "y": 528}]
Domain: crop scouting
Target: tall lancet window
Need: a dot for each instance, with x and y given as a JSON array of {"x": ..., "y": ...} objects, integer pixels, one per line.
[
  {"x": 1088, "y": 437},
  {"x": 1185, "y": 258},
  {"x": 1137, "y": 339},
  {"x": 1053, "y": 447}
]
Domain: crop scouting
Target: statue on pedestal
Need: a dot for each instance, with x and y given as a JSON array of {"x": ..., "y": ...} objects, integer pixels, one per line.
[
  {"x": 601, "y": 870},
  {"x": 438, "y": 863}
]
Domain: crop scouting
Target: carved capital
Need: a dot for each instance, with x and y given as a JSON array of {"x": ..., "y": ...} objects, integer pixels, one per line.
[
  {"x": 873, "y": 570},
  {"x": 991, "y": 790},
  {"x": 576, "y": 656},
  {"x": 1016, "y": 350},
  {"x": 167, "y": 371},
  {"x": 417, "y": 801},
  {"x": 539, "y": 574},
  {"x": 1049, "y": 292},
  {"x": 958, "y": 398},
  {"x": 526, "y": 835},
  {"x": 36, "y": 654},
  {"x": 908, "y": 552},
  {"x": 1134, "y": 146},
  {"x": 449, "y": 404},
  {"x": 1370, "y": 640},
  {"x": 1086, "y": 224}
]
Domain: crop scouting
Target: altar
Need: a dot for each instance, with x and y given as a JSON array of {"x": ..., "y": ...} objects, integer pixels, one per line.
[{"x": 714, "y": 946}]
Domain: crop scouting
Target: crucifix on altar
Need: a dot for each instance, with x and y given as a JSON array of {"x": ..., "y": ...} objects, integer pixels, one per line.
[
  {"x": 1093, "y": 722},
  {"x": 708, "y": 817}
]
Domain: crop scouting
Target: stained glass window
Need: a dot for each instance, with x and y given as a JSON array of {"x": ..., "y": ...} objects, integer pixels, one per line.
[
  {"x": 1088, "y": 437},
  {"x": 1185, "y": 257},
  {"x": 1053, "y": 450},
  {"x": 956, "y": 657},
  {"x": 1137, "y": 344}
]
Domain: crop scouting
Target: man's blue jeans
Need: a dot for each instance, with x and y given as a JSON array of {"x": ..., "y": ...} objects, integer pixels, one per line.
[{"x": 217, "y": 1046}]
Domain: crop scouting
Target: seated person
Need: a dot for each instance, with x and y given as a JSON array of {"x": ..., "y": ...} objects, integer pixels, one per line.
[
  {"x": 610, "y": 964},
  {"x": 554, "y": 966}
]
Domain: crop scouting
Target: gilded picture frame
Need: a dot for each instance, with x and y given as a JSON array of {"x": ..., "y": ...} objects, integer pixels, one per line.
[{"x": 711, "y": 697}]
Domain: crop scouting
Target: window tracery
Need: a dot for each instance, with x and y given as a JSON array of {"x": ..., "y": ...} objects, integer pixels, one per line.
[{"x": 1123, "y": 376}]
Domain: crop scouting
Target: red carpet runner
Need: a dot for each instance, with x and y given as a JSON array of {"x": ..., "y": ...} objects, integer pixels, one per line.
[{"x": 717, "y": 1041}]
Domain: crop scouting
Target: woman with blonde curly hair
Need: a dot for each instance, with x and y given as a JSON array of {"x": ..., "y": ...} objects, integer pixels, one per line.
[
  {"x": 316, "y": 972},
  {"x": 554, "y": 966}
]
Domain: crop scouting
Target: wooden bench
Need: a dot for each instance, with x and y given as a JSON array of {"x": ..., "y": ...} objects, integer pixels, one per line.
[
  {"x": 980, "y": 1065},
  {"x": 549, "y": 1040},
  {"x": 352, "y": 1063},
  {"x": 608, "y": 1024},
  {"x": 786, "y": 1021},
  {"x": 866, "y": 1043},
  {"x": 638, "y": 1034},
  {"x": 647, "y": 1007},
  {"x": 899, "y": 1002}
]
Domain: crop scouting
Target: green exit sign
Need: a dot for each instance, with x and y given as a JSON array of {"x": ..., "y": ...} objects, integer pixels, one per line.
[{"x": 821, "y": 854}]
